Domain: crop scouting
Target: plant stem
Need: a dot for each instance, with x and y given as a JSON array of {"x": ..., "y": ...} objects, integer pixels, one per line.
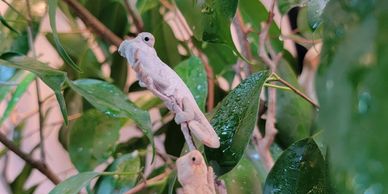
[
  {"x": 45, "y": 170},
  {"x": 94, "y": 23},
  {"x": 136, "y": 20},
  {"x": 145, "y": 183}
]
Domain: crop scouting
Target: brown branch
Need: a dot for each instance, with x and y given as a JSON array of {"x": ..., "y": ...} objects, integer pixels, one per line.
[
  {"x": 242, "y": 35},
  {"x": 42, "y": 167},
  {"x": 150, "y": 181},
  {"x": 270, "y": 131},
  {"x": 296, "y": 91},
  {"x": 94, "y": 23},
  {"x": 136, "y": 20}
]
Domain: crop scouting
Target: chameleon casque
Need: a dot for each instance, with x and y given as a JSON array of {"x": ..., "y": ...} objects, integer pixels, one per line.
[{"x": 160, "y": 79}]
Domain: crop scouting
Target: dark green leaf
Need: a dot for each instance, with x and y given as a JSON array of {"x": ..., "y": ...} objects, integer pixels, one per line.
[
  {"x": 193, "y": 73},
  {"x": 314, "y": 12},
  {"x": 234, "y": 121},
  {"x": 145, "y": 5},
  {"x": 243, "y": 179},
  {"x": 166, "y": 45},
  {"x": 174, "y": 140},
  {"x": 52, "y": 77},
  {"x": 119, "y": 70},
  {"x": 79, "y": 50},
  {"x": 92, "y": 139},
  {"x": 5, "y": 23},
  {"x": 115, "y": 19},
  {"x": 118, "y": 184},
  {"x": 352, "y": 91},
  {"x": 19, "y": 183},
  {"x": 75, "y": 183},
  {"x": 300, "y": 169},
  {"x": 294, "y": 115},
  {"x": 112, "y": 101},
  {"x": 19, "y": 91},
  {"x": 286, "y": 5},
  {"x": 52, "y": 6}
]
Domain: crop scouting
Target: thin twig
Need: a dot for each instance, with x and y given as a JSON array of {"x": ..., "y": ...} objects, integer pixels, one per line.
[
  {"x": 33, "y": 51},
  {"x": 45, "y": 170},
  {"x": 296, "y": 90},
  {"x": 136, "y": 20},
  {"x": 94, "y": 23},
  {"x": 270, "y": 131},
  {"x": 150, "y": 181}
]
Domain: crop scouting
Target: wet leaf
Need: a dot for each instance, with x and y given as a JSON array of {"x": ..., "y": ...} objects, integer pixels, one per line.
[
  {"x": 314, "y": 12},
  {"x": 353, "y": 94},
  {"x": 75, "y": 183},
  {"x": 92, "y": 139},
  {"x": 243, "y": 179},
  {"x": 52, "y": 7},
  {"x": 112, "y": 101},
  {"x": 234, "y": 120},
  {"x": 166, "y": 45},
  {"x": 193, "y": 73},
  {"x": 294, "y": 115},
  {"x": 52, "y": 77},
  {"x": 118, "y": 184},
  {"x": 300, "y": 169}
]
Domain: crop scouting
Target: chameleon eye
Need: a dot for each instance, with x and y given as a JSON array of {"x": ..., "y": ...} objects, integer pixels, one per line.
[
  {"x": 193, "y": 159},
  {"x": 146, "y": 39}
]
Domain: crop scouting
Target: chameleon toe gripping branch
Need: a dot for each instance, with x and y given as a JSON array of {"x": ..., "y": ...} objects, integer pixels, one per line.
[{"x": 163, "y": 82}]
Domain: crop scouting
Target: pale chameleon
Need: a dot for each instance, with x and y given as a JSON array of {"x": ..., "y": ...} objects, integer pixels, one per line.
[
  {"x": 193, "y": 174},
  {"x": 167, "y": 85}
]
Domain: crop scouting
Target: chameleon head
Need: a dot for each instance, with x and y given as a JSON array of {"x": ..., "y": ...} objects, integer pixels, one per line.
[
  {"x": 190, "y": 166},
  {"x": 144, "y": 37},
  {"x": 147, "y": 38}
]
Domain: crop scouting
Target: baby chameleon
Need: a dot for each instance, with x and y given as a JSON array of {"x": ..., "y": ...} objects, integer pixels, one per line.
[
  {"x": 193, "y": 174},
  {"x": 160, "y": 79}
]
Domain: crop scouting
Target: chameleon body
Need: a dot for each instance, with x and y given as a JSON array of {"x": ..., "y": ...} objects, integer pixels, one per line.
[{"x": 167, "y": 85}]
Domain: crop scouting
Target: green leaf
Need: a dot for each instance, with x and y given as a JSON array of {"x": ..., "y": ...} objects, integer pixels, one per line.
[
  {"x": 112, "y": 101},
  {"x": 294, "y": 115},
  {"x": 92, "y": 139},
  {"x": 115, "y": 19},
  {"x": 243, "y": 179},
  {"x": 79, "y": 50},
  {"x": 286, "y": 5},
  {"x": 52, "y": 6},
  {"x": 300, "y": 169},
  {"x": 75, "y": 183},
  {"x": 192, "y": 72},
  {"x": 210, "y": 20},
  {"x": 234, "y": 121},
  {"x": 18, "y": 184},
  {"x": 5, "y": 23},
  {"x": 352, "y": 92},
  {"x": 145, "y": 5},
  {"x": 52, "y": 77},
  {"x": 118, "y": 184},
  {"x": 166, "y": 45},
  {"x": 314, "y": 11},
  {"x": 17, "y": 94}
]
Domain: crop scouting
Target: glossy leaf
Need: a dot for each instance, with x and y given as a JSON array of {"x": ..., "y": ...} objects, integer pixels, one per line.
[
  {"x": 112, "y": 101},
  {"x": 193, "y": 73},
  {"x": 118, "y": 184},
  {"x": 52, "y": 7},
  {"x": 294, "y": 115},
  {"x": 314, "y": 12},
  {"x": 300, "y": 169},
  {"x": 243, "y": 179},
  {"x": 75, "y": 183},
  {"x": 17, "y": 94},
  {"x": 52, "y": 77},
  {"x": 353, "y": 94},
  {"x": 234, "y": 120},
  {"x": 92, "y": 139},
  {"x": 166, "y": 45}
]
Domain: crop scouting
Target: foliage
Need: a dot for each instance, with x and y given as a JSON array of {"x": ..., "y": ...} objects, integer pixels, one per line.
[{"x": 339, "y": 147}]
